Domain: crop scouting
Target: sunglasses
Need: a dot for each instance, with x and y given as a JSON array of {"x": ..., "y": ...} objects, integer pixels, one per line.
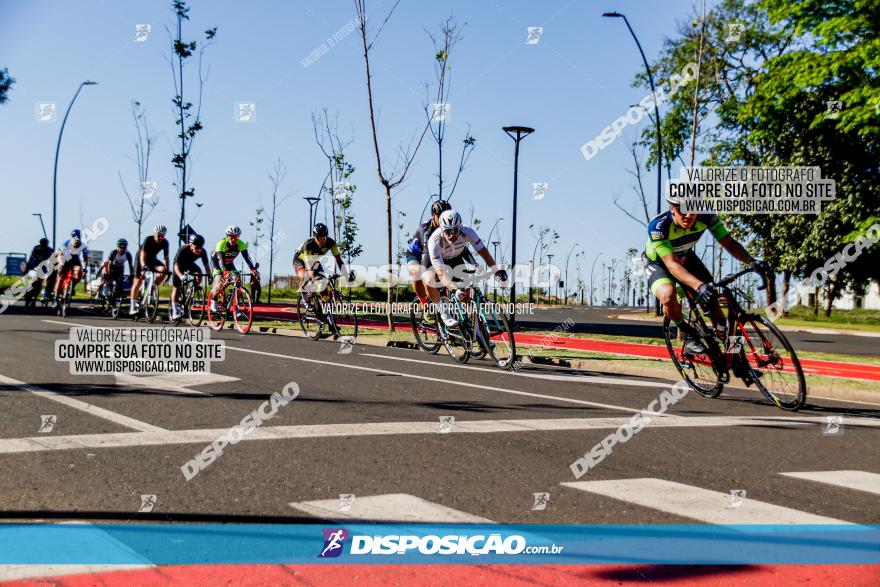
[{"x": 451, "y": 230}]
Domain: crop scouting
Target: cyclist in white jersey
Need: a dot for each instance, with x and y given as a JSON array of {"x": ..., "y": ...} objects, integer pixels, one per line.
[{"x": 446, "y": 249}]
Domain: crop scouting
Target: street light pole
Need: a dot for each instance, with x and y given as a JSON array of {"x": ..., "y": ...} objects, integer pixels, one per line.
[
  {"x": 549, "y": 273},
  {"x": 495, "y": 256},
  {"x": 517, "y": 133},
  {"x": 656, "y": 109},
  {"x": 57, "y": 151},
  {"x": 43, "y": 226},
  {"x": 592, "y": 270},
  {"x": 313, "y": 203},
  {"x": 565, "y": 284}
]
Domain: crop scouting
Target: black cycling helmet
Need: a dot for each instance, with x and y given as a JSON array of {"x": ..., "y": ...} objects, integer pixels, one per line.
[
  {"x": 122, "y": 243},
  {"x": 319, "y": 230},
  {"x": 440, "y": 206},
  {"x": 44, "y": 242},
  {"x": 197, "y": 240}
]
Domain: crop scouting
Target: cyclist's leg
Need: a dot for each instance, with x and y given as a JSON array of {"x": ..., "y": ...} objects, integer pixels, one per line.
[
  {"x": 176, "y": 285},
  {"x": 136, "y": 281},
  {"x": 415, "y": 268},
  {"x": 664, "y": 287},
  {"x": 161, "y": 272},
  {"x": 696, "y": 268}
]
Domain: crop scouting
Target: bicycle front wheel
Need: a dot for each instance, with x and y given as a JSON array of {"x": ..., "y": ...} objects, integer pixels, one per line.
[
  {"x": 309, "y": 320},
  {"x": 343, "y": 316},
  {"x": 195, "y": 306},
  {"x": 427, "y": 336},
  {"x": 496, "y": 337},
  {"x": 242, "y": 310},
  {"x": 696, "y": 370},
  {"x": 774, "y": 365},
  {"x": 216, "y": 318},
  {"x": 151, "y": 304}
]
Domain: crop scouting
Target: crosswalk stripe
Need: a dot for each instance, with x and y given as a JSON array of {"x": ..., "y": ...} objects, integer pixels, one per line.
[
  {"x": 858, "y": 480},
  {"x": 704, "y": 505},
  {"x": 391, "y": 507},
  {"x": 76, "y": 404}
]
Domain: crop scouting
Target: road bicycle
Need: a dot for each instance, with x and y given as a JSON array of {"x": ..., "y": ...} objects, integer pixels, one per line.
[
  {"x": 62, "y": 304},
  {"x": 112, "y": 302},
  {"x": 328, "y": 308},
  {"x": 237, "y": 304},
  {"x": 481, "y": 329},
  {"x": 750, "y": 346},
  {"x": 192, "y": 301},
  {"x": 148, "y": 298}
]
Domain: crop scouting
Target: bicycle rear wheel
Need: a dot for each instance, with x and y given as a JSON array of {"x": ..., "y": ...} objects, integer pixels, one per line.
[
  {"x": 216, "y": 319},
  {"x": 309, "y": 320},
  {"x": 496, "y": 337},
  {"x": 427, "y": 336},
  {"x": 195, "y": 306},
  {"x": 774, "y": 365},
  {"x": 151, "y": 303},
  {"x": 696, "y": 370},
  {"x": 242, "y": 311}
]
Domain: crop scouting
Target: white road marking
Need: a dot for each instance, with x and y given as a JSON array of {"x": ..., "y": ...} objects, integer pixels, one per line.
[
  {"x": 204, "y": 436},
  {"x": 446, "y": 382},
  {"x": 176, "y": 382},
  {"x": 858, "y": 480},
  {"x": 568, "y": 378},
  {"x": 82, "y": 406},
  {"x": 696, "y": 503},
  {"x": 392, "y": 507}
]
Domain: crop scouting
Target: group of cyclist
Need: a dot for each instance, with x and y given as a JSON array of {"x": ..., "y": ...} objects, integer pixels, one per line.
[{"x": 438, "y": 246}]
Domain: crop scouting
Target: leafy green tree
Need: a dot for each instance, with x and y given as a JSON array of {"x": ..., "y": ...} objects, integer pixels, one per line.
[
  {"x": 763, "y": 99},
  {"x": 6, "y": 83},
  {"x": 189, "y": 119}
]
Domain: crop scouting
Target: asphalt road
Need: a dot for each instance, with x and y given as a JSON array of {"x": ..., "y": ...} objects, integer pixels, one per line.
[
  {"x": 597, "y": 321},
  {"x": 368, "y": 423}
]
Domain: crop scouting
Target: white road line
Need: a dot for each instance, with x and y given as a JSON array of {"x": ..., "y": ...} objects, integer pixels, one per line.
[
  {"x": 204, "y": 436},
  {"x": 392, "y": 507},
  {"x": 82, "y": 406},
  {"x": 568, "y": 378},
  {"x": 176, "y": 382},
  {"x": 445, "y": 382},
  {"x": 858, "y": 480},
  {"x": 696, "y": 503}
]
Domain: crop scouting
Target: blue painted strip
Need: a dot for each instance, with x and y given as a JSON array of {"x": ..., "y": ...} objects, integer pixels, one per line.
[{"x": 175, "y": 544}]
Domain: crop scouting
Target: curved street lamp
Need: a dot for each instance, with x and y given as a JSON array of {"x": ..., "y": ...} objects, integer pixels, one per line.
[
  {"x": 57, "y": 152},
  {"x": 517, "y": 133},
  {"x": 565, "y": 284},
  {"x": 654, "y": 95}
]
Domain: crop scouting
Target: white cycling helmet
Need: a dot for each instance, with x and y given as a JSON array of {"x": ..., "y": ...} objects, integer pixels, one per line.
[
  {"x": 160, "y": 229},
  {"x": 233, "y": 230},
  {"x": 450, "y": 220}
]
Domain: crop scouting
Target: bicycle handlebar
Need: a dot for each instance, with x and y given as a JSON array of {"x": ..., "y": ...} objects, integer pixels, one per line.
[{"x": 724, "y": 282}]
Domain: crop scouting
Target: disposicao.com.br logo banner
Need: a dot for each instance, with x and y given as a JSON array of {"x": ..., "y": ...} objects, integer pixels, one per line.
[
  {"x": 364, "y": 543},
  {"x": 457, "y": 543}
]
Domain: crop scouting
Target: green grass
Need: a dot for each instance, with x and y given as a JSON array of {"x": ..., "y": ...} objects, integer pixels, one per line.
[{"x": 864, "y": 320}]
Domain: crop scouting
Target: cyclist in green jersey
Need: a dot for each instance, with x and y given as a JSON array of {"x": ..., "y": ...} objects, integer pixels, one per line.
[
  {"x": 223, "y": 259},
  {"x": 670, "y": 260}
]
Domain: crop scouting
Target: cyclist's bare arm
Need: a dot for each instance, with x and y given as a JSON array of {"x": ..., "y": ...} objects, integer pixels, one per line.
[
  {"x": 487, "y": 257},
  {"x": 340, "y": 263},
  {"x": 733, "y": 246},
  {"x": 679, "y": 272}
]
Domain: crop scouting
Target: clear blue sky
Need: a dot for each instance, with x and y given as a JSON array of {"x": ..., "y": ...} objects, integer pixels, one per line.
[{"x": 569, "y": 86}]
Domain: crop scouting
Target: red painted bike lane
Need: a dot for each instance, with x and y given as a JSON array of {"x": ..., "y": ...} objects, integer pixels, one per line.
[
  {"x": 471, "y": 575},
  {"x": 869, "y": 372}
]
